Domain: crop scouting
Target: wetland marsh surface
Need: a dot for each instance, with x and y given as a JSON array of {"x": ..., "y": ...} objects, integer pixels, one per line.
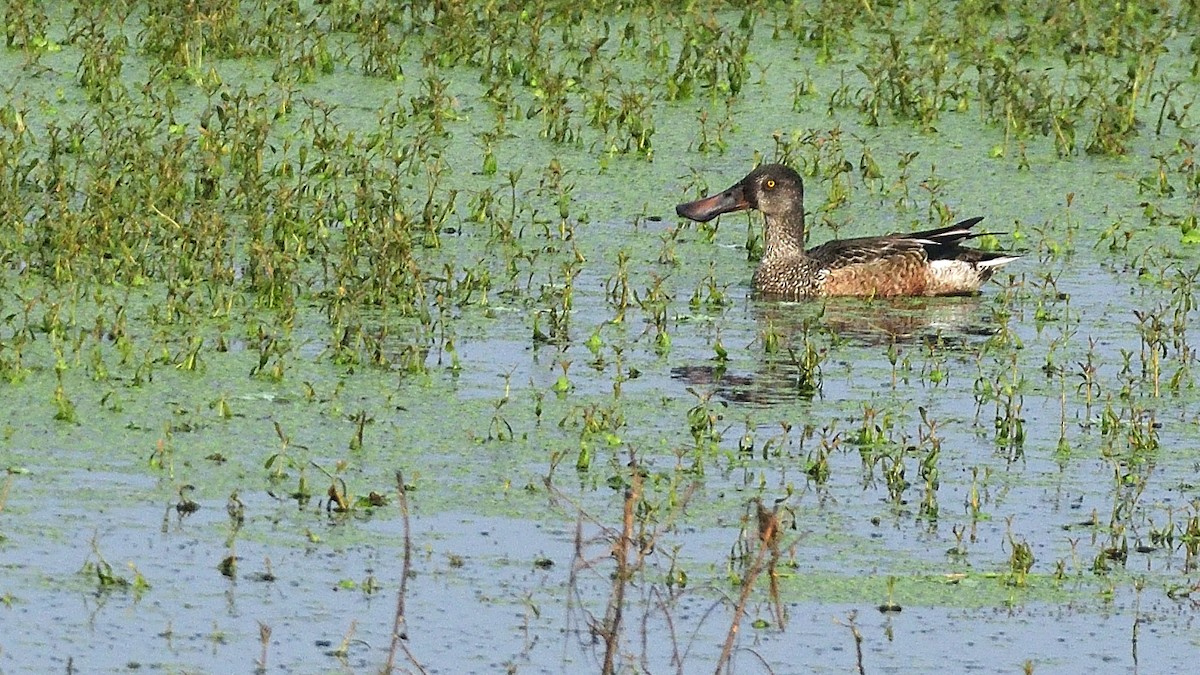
[{"x": 297, "y": 296}]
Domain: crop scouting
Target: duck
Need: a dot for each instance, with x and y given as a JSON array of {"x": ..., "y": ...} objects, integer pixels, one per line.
[{"x": 928, "y": 263}]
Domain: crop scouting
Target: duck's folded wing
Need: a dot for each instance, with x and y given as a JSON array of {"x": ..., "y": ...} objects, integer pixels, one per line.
[{"x": 878, "y": 251}]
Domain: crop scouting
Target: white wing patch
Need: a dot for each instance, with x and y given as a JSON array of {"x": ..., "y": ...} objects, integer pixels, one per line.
[{"x": 997, "y": 262}]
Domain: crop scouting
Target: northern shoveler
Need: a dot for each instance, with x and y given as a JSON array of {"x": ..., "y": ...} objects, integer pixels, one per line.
[{"x": 926, "y": 263}]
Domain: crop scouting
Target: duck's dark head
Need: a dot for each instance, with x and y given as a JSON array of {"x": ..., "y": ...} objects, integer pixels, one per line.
[{"x": 774, "y": 189}]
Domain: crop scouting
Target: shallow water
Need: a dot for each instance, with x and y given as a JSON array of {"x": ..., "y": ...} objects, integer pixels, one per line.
[{"x": 934, "y": 438}]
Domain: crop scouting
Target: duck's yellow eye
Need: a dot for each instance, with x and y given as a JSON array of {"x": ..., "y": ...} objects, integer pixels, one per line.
[{"x": 770, "y": 184}]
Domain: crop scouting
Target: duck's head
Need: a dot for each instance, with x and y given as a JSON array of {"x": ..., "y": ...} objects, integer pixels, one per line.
[{"x": 774, "y": 189}]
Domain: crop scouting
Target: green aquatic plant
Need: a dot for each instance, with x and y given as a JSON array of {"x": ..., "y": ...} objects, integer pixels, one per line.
[
  {"x": 817, "y": 467},
  {"x": 64, "y": 408},
  {"x": 917, "y": 86},
  {"x": 711, "y": 59},
  {"x": 617, "y": 288},
  {"x": 703, "y": 421},
  {"x": 1020, "y": 559},
  {"x": 383, "y": 52},
  {"x": 894, "y": 469},
  {"x": 99, "y": 69},
  {"x": 25, "y": 26},
  {"x": 928, "y": 467}
]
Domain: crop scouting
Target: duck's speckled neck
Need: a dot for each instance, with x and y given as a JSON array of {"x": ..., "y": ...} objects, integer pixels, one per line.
[{"x": 783, "y": 234}]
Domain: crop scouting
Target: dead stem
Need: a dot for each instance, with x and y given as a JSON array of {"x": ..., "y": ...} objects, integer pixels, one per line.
[
  {"x": 768, "y": 525},
  {"x": 611, "y": 629},
  {"x": 858, "y": 640},
  {"x": 1137, "y": 621},
  {"x": 676, "y": 657},
  {"x": 644, "y": 542},
  {"x": 577, "y": 563},
  {"x": 399, "y": 632},
  {"x": 264, "y": 638}
]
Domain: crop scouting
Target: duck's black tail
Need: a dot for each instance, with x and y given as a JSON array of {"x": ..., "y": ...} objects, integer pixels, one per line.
[{"x": 945, "y": 243}]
